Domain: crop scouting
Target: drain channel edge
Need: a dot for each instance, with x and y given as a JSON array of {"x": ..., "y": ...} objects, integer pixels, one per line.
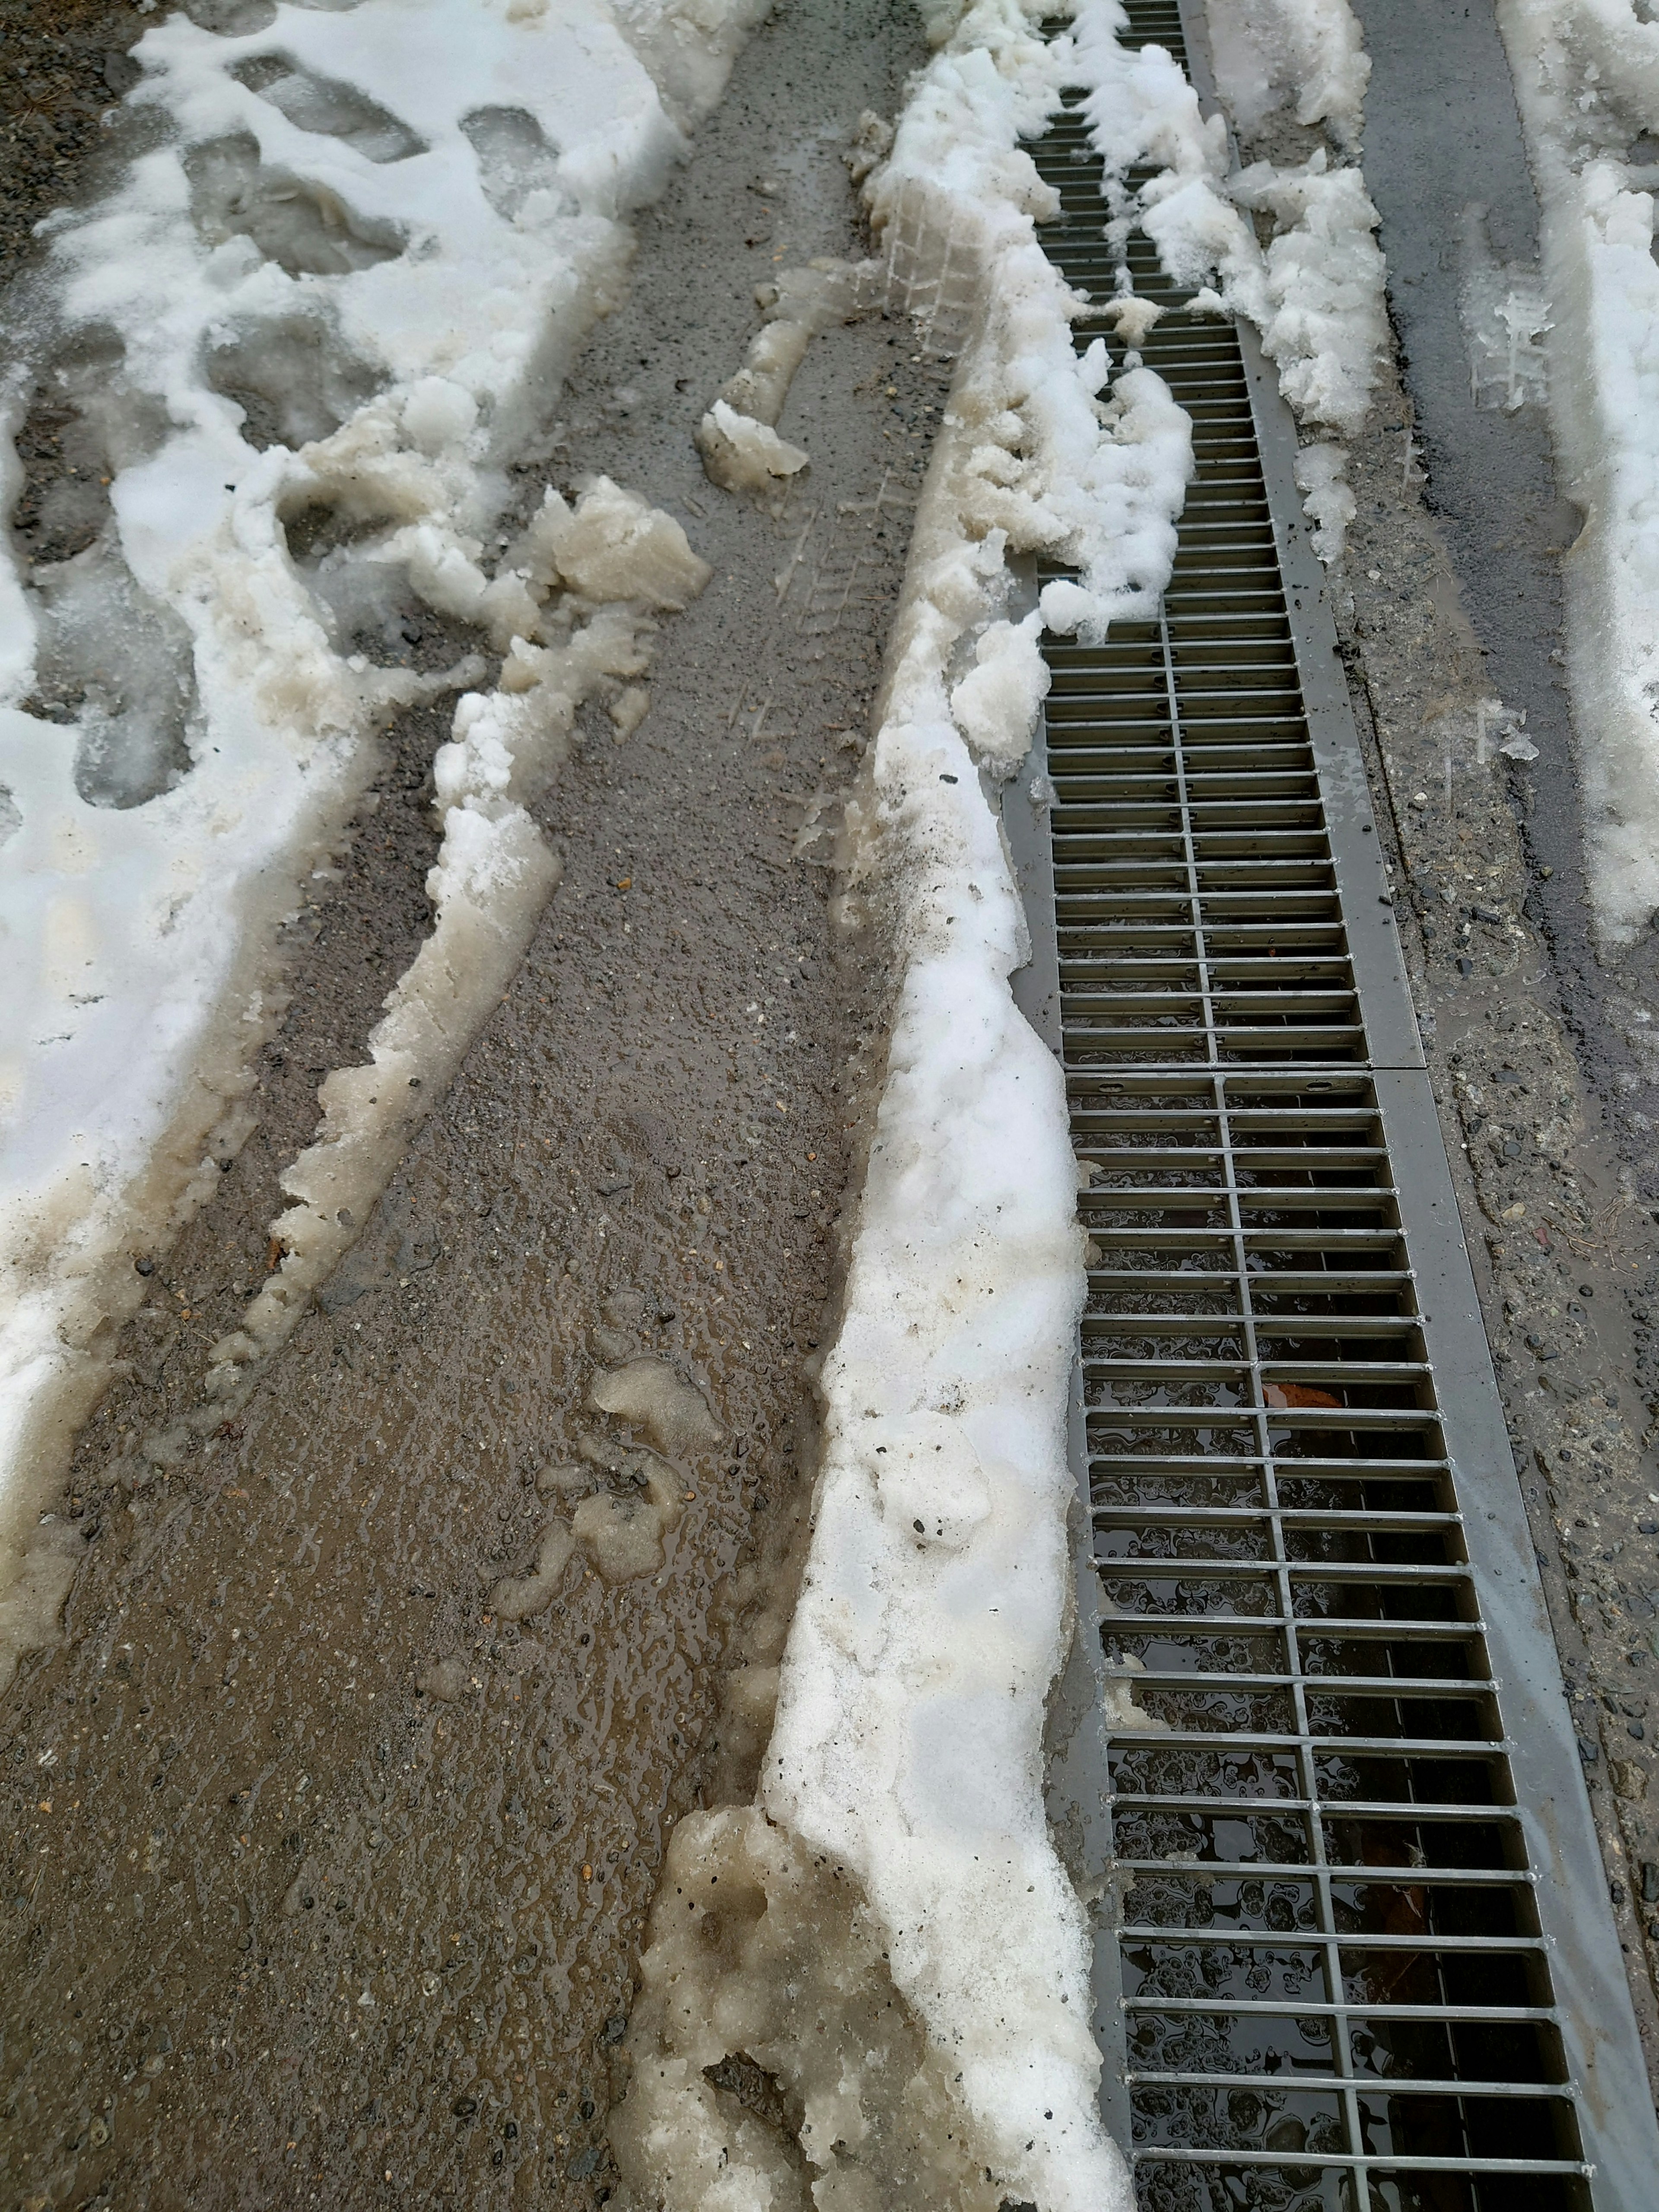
[{"x": 1393, "y": 1822}]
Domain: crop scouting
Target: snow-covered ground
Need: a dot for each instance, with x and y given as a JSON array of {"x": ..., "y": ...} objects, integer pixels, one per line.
[
  {"x": 1586, "y": 79},
  {"x": 306, "y": 334}
]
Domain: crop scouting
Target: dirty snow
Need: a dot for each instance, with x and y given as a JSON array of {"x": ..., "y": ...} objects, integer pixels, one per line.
[
  {"x": 1586, "y": 79},
  {"x": 1306, "y": 55},
  {"x": 907, "y": 1754},
  {"x": 338, "y": 290}
]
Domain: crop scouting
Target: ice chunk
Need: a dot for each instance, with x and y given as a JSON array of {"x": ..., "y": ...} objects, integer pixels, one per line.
[
  {"x": 516, "y": 1599},
  {"x": 623, "y": 1529},
  {"x": 617, "y": 546},
  {"x": 740, "y": 455},
  {"x": 996, "y": 705}
]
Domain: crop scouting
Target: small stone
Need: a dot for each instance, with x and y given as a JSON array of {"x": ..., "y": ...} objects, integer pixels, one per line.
[{"x": 1629, "y": 1778}]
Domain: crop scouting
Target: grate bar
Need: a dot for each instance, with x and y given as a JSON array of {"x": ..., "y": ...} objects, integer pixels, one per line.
[{"x": 1352, "y": 1947}]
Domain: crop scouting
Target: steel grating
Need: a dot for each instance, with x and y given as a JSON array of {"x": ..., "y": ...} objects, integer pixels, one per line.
[{"x": 1354, "y": 1949}]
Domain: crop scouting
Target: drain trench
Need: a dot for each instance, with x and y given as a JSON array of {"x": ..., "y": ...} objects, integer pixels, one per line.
[{"x": 1354, "y": 1948}]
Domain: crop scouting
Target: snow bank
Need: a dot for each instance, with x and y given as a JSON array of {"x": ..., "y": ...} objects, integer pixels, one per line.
[
  {"x": 302, "y": 338},
  {"x": 1586, "y": 79},
  {"x": 900, "y": 1846}
]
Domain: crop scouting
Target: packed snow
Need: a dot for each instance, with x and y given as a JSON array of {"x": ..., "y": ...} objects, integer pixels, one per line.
[
  {"x": 1587, "y": 80},
  {"x": 329, "y": 301}
]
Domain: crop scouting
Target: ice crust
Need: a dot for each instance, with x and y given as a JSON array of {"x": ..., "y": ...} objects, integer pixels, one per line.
[
  {"x": 342, "y": 282},
  {"x": 1587, "y": 82}
]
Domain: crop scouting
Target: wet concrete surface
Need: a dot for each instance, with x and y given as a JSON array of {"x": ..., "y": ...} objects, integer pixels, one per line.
[{"x": 322, "y": 1881}]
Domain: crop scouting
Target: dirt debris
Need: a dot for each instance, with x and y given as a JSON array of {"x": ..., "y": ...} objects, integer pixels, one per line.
[{"x": 1564, "y": 1241}]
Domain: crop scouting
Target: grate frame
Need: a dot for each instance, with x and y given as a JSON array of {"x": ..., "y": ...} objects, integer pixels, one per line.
[{"x": 1236, "y": 1110}]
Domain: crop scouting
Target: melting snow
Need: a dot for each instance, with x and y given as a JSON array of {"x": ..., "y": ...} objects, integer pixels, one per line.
[{"x": 302, "y": 338}]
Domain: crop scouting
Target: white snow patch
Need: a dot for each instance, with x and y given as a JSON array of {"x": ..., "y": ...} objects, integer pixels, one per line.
[
  {"x": 1325, "y": 494},
  {"x": 1315, "y": 294},
  {"x": 1587, "y": 80},
  {"x": 341, "y": 290},
  {"x": 1316, "y": 291}
]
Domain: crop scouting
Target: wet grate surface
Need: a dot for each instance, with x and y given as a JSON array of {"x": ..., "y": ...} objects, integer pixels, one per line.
[{"x": 1348, "y": 1929}]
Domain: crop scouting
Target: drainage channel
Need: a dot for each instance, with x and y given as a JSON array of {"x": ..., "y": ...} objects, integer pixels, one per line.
[{"x": 1354, "y": 1946}]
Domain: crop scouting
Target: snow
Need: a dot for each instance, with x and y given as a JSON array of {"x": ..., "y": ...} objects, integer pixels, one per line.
[
  {"x": 1316, "y": 291},
  {"x": 340, "y": 287},
  {"x": 906, "y": 1751},
  {"x": 1587, "y": 82},
  {"x": 1308, "y": 55},
  {"x": 1325, "y": 494},
  {"x": 738, "y": 437}
]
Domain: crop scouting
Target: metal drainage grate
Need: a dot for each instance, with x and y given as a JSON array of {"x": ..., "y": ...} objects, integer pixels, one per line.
[{"x": 1356, "y": 1951}]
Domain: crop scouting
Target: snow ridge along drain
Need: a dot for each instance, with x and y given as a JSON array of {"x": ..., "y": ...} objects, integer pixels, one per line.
[{"x": 1354, "y": 1948}]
